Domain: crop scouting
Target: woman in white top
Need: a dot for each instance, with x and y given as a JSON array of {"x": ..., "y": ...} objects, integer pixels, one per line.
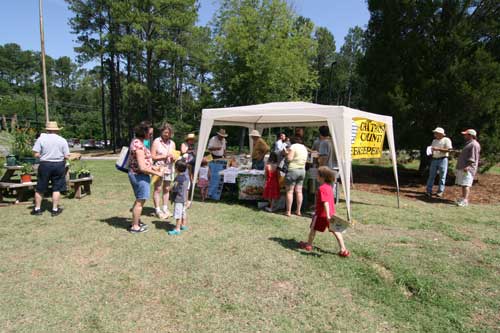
[
  {"x": 162, "y": 151},
  {"x": 297, "y": 157}
]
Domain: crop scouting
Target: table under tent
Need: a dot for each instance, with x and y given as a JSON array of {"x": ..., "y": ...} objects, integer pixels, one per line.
[{"x": 287, "y": 114}]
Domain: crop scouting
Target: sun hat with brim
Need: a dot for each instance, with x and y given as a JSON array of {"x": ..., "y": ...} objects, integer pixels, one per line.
[
  {"x": 255, "y": 133},
  {"x": 470, "y": 132},
  {"x": 52, "y": 126},
  {"x": 222, "y": 132},
  {"x": 191, "y": 136},
  {"x": 439, "y": 130}
]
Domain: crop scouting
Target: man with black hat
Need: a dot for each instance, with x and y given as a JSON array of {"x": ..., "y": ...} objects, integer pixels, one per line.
[
  {"x": 467, "y": 165},
  {"x": 52, "y": 150},
  {"x": 440, "y": 148}
]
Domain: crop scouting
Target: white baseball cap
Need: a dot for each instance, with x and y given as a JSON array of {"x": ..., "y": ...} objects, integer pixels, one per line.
[
  {"x": 470, "y": 132},
  {"x": 439, "y": 130}
]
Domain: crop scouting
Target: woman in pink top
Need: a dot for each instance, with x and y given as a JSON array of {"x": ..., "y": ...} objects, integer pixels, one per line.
[
  {"x": 162, "y": 151},
  {"x": 140, "y": 169}
]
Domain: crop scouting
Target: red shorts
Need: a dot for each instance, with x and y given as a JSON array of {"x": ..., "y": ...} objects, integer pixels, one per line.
[{"x": 320, "y": 223}]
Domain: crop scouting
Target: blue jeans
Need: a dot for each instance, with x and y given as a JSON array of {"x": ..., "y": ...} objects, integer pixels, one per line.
[
  {"x": 441, "y": 166},
  {"x": 140, "y": 183}
]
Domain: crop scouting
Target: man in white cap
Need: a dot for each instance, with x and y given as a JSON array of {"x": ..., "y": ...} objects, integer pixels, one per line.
[
  {"x": 259, "y": 151},
  {"x": 217, "y": 144},
  {"x": 467, "y": 165},
  {"x": 52, "y": 150},
  {"x": 441, "y": 146}
]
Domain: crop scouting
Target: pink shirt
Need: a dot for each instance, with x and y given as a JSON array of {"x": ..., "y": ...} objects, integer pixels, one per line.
[{"x": 136, "y": 145}]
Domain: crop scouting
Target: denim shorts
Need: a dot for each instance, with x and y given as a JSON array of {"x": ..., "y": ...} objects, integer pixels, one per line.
[{"x": 140, "y": 184}]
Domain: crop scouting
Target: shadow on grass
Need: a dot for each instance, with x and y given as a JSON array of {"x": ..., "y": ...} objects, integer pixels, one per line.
[
  {"x": 292, "y": 244},
  {"x": 418, "y": 195},
  {"x": 164, "y": 225},
  {"x": 117, "y": 222}
]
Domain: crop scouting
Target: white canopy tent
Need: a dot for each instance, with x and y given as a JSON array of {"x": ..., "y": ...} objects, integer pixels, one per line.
[{"x": 286, "y": 114}]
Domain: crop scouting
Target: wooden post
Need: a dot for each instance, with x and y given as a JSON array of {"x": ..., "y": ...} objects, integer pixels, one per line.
[{"x": 44, "y": 71}]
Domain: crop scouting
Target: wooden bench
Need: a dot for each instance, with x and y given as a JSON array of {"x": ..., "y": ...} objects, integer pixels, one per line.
[
  {"x": 81, "y": 186},
  {"x": 21, "y": 190}
]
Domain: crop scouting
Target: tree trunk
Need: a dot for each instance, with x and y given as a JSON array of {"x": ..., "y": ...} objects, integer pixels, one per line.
[
  {"x": 112, "y": 100},
  {"x": 129, "y": 109},
  {"x": 118, "y": 103},
  {"x": 103, "y": 110}
]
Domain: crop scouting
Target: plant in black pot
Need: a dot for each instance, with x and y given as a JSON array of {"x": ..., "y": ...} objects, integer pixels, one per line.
[{"x": 83, "y": 173}]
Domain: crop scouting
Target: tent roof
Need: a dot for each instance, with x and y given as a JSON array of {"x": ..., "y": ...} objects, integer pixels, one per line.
[{"x": 284, "y": 113}]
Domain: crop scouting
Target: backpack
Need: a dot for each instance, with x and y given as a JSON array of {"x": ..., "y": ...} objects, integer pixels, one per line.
[{"x": 122, "y": 163}]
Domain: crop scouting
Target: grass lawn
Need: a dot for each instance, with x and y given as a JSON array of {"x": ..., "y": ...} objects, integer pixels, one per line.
[{"x": 425, "y": 267}]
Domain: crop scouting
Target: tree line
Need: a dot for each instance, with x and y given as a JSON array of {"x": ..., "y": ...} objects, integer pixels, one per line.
[{"x": 426, "y": 63}]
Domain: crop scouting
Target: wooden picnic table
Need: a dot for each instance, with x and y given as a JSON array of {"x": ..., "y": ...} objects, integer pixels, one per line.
[
  {"x": 81, "y": 186},
  {"x": 7, "y": 183}
]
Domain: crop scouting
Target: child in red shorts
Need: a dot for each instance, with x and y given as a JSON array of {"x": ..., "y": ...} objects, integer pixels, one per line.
[{"x": 325, "y": 209}]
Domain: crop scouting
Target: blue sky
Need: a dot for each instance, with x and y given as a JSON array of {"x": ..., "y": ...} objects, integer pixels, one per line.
[{"x": 19, "y": 21}]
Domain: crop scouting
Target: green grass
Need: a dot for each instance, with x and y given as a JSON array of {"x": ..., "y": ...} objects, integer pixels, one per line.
[{"x": 424, "y": 267}]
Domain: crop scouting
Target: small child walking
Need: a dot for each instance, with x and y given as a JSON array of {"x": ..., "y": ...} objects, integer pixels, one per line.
[
  {"x": 180, "y": 197},
  {"x": 204, "y": 179},
  {"x": 272, "y": 186},
  {"x": 325, "y": 209}
]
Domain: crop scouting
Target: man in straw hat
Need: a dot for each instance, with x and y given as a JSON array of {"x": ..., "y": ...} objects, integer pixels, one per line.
[
  {"x": 188, "y": 149},
  {"x": 467, "y": 165},
  {"x": 217, "y": 144},
  {"x": 440, "y": 147},
  {"x": 259, "y": 151},
  {"x": 52, "y": 150}
]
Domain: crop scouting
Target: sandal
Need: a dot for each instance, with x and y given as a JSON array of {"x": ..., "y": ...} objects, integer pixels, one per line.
[
  {"x": 138, "y": 231},
  {"x": 345, "y": 253},
  {"x": 305, "y": 246}
]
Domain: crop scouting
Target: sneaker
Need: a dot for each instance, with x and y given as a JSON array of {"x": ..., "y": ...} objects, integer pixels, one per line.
[
  {"x": 160, "y": 214},
  {"x": 184, "y": 227},
  {"x": 174, "y": 232},
  {"x": 463, "y": 203},
  {"x": 459, "y": 201},
  {"x": 56, "y": 212},
  {"x": 36, "y": 212},
  {"x": 428, "y": 194},
  {"x": 138, "y": 231},
  {"x": 268, "y": 209},
  {"x": 440, "y": 194}
]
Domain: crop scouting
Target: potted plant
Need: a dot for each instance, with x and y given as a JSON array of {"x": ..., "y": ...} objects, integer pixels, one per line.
[
  {"x": 83, "y": 173},
  {"x": 26, "y": 171},
  {"x": 23, "y": 145}
]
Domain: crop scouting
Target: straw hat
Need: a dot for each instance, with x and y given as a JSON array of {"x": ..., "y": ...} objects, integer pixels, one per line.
[
  {"x": 255, "y": 133},
  {"x": 190, "y": 136},
  {"x": 222, "y": 132},
  {"x": 52, "y": 126}
]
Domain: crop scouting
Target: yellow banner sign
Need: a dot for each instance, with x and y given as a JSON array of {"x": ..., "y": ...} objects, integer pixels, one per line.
[{"x": 367, "y": 138}]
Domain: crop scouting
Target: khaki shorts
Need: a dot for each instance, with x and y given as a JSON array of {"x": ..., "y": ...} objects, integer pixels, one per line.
[
  {"x": 295, "y": 177},
  {"x": 464, "y": 178}
]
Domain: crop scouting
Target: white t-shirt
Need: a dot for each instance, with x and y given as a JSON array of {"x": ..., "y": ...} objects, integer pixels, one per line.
[
  {"x": 216, "y": 143},
  {"x": 52, "y": 147},
  {"x": 443, "y": 143},
  {"x": 203, "y": 174}
]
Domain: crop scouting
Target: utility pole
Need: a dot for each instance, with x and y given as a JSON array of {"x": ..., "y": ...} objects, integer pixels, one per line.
[{"x": 44, "y": 71}]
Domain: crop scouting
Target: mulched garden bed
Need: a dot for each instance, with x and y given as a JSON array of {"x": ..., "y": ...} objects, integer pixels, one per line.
[{"x": 486, "y": 188}]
